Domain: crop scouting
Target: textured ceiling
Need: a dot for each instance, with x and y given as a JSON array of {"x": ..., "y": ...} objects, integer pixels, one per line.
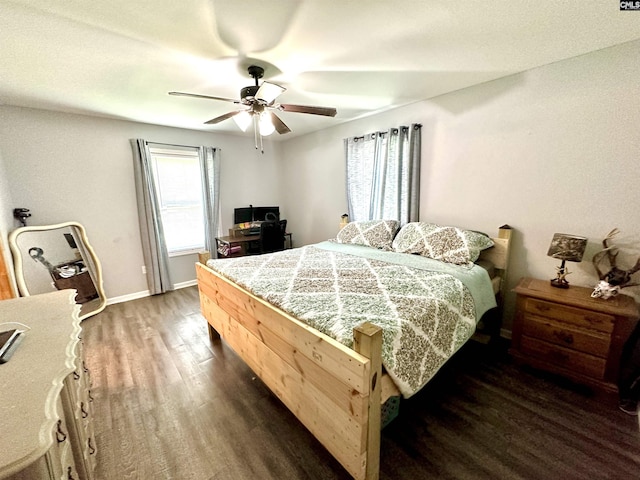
[{"x": 119, "y": 58}]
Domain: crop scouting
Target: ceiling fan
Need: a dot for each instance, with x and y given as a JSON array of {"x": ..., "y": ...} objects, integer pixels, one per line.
[{"x": 260, "y": 102}]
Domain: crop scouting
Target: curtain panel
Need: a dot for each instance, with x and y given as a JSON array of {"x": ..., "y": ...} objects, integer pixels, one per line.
[
  {"x": 383, "y": 175},
  {"x": 154, "y": 248},
  {"x": 210, "y": 173}
]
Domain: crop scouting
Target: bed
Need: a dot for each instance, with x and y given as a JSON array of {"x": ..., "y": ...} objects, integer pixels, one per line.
[{"x": 330, "y": 374}]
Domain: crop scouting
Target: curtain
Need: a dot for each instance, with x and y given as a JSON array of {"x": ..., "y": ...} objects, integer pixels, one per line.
[
  {"x": 383, "y": 175},
  {"x": 154, "y": 248},
  {"x": 210, "y": 173}
]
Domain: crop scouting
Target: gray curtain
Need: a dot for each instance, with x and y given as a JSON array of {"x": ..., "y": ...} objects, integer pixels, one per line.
[
  {"x": 383, "y": 175},
  {"x": 210, "y": 173},
  {"x": 154, "y": 247}
]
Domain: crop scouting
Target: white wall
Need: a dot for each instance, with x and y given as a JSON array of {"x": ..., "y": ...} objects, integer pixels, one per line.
[
  {"x": 71, "y": 167},
  {"x": 7, "y": 222},
  {"x": 554, "y": 149}
]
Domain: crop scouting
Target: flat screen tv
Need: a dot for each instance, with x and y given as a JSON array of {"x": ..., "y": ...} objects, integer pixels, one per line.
[
  {"x": 242, "y": 215},
  {"x": 254, "y": 214},
  {"x": 260, "y": 213}
]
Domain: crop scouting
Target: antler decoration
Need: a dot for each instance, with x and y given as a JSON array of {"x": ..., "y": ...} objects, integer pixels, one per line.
[{"x": 615, "y": 279}]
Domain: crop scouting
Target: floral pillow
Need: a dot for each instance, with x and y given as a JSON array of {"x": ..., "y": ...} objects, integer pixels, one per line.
[
  {"x": 371, "y": 233},
  {"x": 447, "y": 244}
]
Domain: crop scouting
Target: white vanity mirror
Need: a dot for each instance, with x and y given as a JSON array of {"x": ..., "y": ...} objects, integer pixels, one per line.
[{"x": 57, "y": 257}]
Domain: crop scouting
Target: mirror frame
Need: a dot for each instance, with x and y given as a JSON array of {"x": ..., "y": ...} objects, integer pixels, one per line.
[{"x": 18, "y": 261}]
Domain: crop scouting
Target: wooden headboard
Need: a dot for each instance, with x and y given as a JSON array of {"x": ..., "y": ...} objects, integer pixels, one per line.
[{"x": 499, "y": 256}]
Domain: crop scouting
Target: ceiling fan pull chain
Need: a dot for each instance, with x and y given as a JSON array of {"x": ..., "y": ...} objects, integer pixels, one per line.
[{"x": 255, "y": 130}]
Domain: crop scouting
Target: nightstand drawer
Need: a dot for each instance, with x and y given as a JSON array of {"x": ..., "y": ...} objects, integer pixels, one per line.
[
  {"x": 585, "y": 340},
  {"x": 558, "y": 356},
  {"x": 576, "y": 316}
]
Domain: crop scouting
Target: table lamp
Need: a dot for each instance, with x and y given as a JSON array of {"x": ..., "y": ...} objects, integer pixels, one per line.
[{"x": 566, "y": 248}]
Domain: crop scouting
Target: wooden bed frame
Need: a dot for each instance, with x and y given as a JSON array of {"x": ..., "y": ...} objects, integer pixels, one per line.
[{"x": 336, "y": 392}]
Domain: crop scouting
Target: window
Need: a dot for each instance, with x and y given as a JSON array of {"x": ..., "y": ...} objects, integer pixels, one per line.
[
  {"x": 383, "y": 175},
  {"x": 179, "y": 191}
]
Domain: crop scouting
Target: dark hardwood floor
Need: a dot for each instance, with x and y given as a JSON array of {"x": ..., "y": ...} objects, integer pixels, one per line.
[{"x": 170, "y": 405}]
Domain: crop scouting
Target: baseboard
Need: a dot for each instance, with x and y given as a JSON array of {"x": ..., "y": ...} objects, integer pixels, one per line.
[
  {"x": 128, "y": 297},
  {"x": 146, "y": 293},
  {"x": 188, "y": 283}
]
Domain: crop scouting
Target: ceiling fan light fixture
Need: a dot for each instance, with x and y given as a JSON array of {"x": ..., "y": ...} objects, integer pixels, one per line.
[
  {"x": 258, "y": 102},
  {"x": 268, "y": 92},
  {"x": 266, "y": 125},
  {"x": 243, "y": 120}
]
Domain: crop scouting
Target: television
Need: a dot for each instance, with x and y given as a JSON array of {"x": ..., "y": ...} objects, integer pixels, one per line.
[
  {"x": 254, "y": 214},
  {"x": 242, "y": 215},
  {"x": 260, "y": 213}
]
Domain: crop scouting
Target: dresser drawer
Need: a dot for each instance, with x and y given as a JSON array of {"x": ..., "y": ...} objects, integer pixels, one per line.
[
  {"x": 568, "y": 335},
  {"x": 576, "y": 316},
  {"x": 565, "y": 358}
]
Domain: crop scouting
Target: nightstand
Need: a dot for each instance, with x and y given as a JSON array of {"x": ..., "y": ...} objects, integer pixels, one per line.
[{"x": 567, "y": 332}]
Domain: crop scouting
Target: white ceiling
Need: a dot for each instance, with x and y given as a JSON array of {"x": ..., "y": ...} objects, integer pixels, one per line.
[{"x": 119, "y": 58}]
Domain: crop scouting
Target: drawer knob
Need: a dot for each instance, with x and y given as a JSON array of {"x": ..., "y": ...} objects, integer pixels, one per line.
[
  {"x": 92, "y": 449},
  {"x": 60, "y": 435},
  {"x": 564, "y": 337}
]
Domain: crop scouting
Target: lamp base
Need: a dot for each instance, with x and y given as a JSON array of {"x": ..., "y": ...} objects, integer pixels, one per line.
[{"x": 559, "y": 283}]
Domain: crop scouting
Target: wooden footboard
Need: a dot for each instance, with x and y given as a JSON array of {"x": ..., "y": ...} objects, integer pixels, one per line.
[{"x": 333, "y": 390}]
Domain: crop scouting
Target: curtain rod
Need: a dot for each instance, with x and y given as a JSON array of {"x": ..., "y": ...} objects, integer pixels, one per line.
[{"x": 177, "y": 145}]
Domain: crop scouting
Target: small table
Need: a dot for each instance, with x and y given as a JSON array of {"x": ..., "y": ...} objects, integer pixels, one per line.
[{"x": 568, "y": 332}]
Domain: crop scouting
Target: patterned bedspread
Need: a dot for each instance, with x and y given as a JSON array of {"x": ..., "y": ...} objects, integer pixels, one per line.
[{"x": 426, "y": 315}]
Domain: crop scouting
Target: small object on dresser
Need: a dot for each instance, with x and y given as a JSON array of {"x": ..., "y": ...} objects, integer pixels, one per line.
[
  {"x": 615, "y": 279},
  {"x": 566, "y": 248},
  {"x": 9, "y": 341}
]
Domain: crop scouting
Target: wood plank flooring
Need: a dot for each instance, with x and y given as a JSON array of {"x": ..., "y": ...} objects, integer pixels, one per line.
[{"x": 169, "y": 404}]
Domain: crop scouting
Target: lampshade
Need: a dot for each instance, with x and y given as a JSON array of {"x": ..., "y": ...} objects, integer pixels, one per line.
[
  {"x": 567, "y": 247},
  {"x": 243, "y": 120},
  {"x": 266, "y": 125}
]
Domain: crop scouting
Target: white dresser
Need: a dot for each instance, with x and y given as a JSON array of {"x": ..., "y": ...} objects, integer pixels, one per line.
[{"x": 45, "y": 396}]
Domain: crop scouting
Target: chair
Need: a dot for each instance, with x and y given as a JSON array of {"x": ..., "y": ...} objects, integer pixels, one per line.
[{"x": 271, "y": 237}]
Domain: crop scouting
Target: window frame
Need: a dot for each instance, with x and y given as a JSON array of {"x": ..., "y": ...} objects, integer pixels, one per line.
[{"x": 182, "y": 152}]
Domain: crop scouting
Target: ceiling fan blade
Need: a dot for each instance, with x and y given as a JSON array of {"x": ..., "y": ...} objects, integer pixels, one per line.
[
  {"x": 281, "y": 128},
  {"x": 224, "y": 117},
  {"x": 268, "y": 92},
  {"x": 326, "y": 111},
  {"x": 208, "y": 97}
]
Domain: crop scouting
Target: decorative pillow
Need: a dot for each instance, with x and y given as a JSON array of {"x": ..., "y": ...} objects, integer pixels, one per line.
[
  {"x": 447, "y": 244},
  {"x": 372, "y": 233}
]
